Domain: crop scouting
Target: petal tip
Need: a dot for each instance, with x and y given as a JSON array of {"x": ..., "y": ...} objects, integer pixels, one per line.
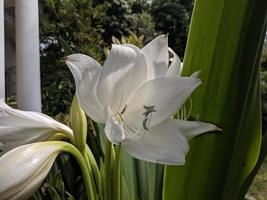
[
  {"x": 196, "y": 74},
  {"x": 218, "y": 129}
]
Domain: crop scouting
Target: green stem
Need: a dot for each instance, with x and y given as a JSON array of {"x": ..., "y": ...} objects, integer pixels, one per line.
[
  {"x": 117, "y": 174},
  {"x": 88, "y": 163},
  {"x": 86, "y": 175},
  {"x": 95, "y": 170},
  {"x": 108, "y": 170}
]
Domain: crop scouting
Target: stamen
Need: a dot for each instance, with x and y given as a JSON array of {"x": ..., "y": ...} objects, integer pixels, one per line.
[
  {"x": 120, "y": 119},
  {"x": 190, "y": 107},
  {"x": 124, "y": 109},
  {"x": 148, "y": 115},
  {"x": 149, "y": 109},
  {"x": 144, "y": 124}
]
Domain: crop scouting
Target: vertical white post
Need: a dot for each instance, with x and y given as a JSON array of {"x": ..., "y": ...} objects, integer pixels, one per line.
[
  {"x": 2, "y": 51},
  {"x": 27, "y": 55}
]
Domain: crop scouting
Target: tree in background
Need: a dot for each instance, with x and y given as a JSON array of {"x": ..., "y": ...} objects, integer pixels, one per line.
[
  {"x": 124, "y": 17},
  {"x": 66, "y": 26},
  {"x": 173, "y": 17}
]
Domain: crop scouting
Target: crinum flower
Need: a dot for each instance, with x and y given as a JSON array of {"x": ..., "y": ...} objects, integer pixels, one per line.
[
  {"x": 134, "y": 94},
  {"x": 21, "y": 127},
  {"x": 24, "y": 168}
]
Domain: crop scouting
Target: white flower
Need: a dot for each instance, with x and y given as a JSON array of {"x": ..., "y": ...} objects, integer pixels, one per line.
[
  {"x": 134, "y": 94},
  {"x": 21, "y": 127},
  {"x": 24, "y": 168}
]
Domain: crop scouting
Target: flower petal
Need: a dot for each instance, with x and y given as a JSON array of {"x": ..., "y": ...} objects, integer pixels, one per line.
[
  {"x": 175, "y": 66},
  {"x": 163, "y": 144},
  {"x": 195, "y": 74},
  {"x": 24, "y": 169},
  {"x": 166, "y": 95},
  {"x": 157, "y": 57},
  {"x": 20, "y": 127},
  {"x": 191, "y": 129},
  {"x": 123, "y": 72},
  {"x": 86, "y": 72},
  {"x": 114, "y": 131}
]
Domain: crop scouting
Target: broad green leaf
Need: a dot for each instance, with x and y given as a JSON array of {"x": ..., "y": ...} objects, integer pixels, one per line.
[{"x": 224, "y": 44}]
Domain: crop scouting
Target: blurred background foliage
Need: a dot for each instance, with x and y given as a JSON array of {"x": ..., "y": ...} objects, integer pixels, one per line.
[
  {"x": 264, "y": 84},
  {"x": 90, "y": 27}
]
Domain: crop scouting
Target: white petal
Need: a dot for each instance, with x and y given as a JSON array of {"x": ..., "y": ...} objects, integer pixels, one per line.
[
  {"x": 114, "y": 131},
  {"x": 157, "y": 57},
  {"x": 191, "y": 129},
  {"x": 20, "y": 127},
  {"x": 163, "y": 144},
  {"x": 175, "y": 66},
  {"x": 23, "y": 169},
  {"x": 166, "y": 94},
  {"x": 123, "y": 72},
  {"x": 86, "y": 72}
]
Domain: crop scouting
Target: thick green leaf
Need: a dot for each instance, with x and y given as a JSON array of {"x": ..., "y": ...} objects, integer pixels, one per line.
[{"x": 224, "y": 43}]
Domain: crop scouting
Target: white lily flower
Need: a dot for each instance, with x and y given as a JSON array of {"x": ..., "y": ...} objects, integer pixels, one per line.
[
  {"x": 24, "y": 169},
  {"x": 157, "y": 58},
  {"x": 21, "y": 127},
  {"x": 134, "y": 94}
]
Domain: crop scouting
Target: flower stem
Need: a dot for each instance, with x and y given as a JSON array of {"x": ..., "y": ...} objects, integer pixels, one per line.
[
  {"x": 86, "y": 175},
  {"x": 108, "y": 170},
  {"x": 95, "y": 171},
  {"x": 87, "y": 161},
  {"x": 117, "y": 174}
]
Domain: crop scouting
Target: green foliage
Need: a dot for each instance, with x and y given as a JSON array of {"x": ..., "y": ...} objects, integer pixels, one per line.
[
  {"x": 125, "y": 17},
  {"x": 78, "y": 25},
  {"x": 64, "y": 181},
  {"x": 173, "y": 17},
  {"x": 143, "y": 25},
  {"x": 117, "y": 20},
  {"x": 227, "y": 50}
]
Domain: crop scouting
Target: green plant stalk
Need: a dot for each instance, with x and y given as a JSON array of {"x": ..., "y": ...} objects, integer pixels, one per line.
[
  {"x": 129, "y": 182},
  {"x": 86, "y": 175},
  {"x": 117, "y": 174},
  {"x": 108, "y": 171},
  {"x": 224, "y": 44},
  {"x": 95, "y": 171},
  {"x": 87, "y": 161}
]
